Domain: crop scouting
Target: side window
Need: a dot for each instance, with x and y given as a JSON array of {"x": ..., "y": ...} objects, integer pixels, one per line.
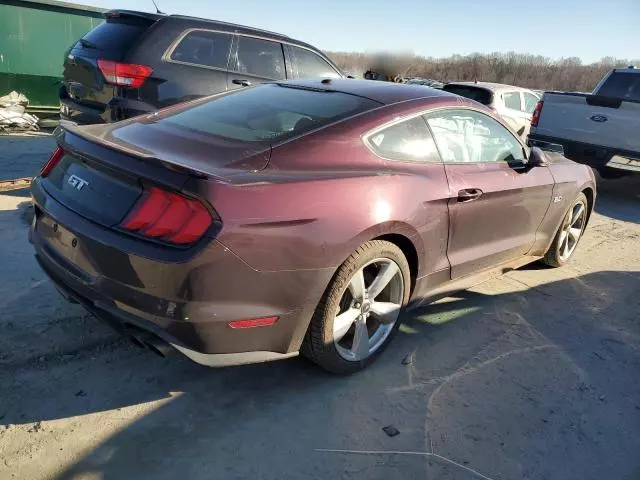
[
  {"x": 312, "y": 65},
  {"x": 408, "y": 141},
  {"x": 466, "y": 136},
  {"x": 512, "y": 100},
  {"x": 530, "y": 102},
  {"x": 210, "y": 49},
  {"x": 260, "y": 57}
]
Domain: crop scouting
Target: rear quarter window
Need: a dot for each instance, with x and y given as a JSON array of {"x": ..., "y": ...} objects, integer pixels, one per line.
[
  {"x": 267, "y": 113},
  {"x": 406, "y": 141},
  {"x": 210, "y": 49}
]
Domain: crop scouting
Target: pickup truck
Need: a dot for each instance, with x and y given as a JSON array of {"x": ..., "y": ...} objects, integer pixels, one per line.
[{"x": 601, "y": 129}]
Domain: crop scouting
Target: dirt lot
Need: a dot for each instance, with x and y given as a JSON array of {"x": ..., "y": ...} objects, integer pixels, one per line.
[{"x": 530, "y": 376}]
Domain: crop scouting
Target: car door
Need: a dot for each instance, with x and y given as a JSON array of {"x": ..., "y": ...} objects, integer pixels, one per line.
[
  {"x": 308, "y": 64},
  {"x": 513, "y": 112},
  {"x": 496, "y": 204},
  {"x": 195, "y": 66},
  {"x": 255, "y": 60}
]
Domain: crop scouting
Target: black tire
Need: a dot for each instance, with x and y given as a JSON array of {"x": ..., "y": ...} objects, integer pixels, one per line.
[
  {"x": 553, "y": 257},
  {"x": 319, "y": 343}
]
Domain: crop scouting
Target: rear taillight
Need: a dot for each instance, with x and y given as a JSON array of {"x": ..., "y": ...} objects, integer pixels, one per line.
[
  {"x": 55, "y": 157},
  {"x": 168, "y": 217},
  {"x": 536, "y": 114},
  {"x": 124, "y": 74}
]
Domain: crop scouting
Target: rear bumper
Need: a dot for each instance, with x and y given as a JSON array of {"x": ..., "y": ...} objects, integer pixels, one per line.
[
  {"x": 592, "y": 155},
  {"x": 187, "y": 302},
  {"x": 117, "y": 109}
]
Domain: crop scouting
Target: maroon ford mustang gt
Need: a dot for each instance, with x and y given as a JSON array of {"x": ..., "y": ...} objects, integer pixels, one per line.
[{"x": 296, "y": 216}]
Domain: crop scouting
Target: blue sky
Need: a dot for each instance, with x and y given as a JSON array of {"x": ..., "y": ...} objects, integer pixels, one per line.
[{"x": 588, "y": 29}]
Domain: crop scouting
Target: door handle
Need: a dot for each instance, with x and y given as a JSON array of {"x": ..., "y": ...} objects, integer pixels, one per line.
[
  {"x": 241, "y": 82},
  {"x": 469, "y": 194}
]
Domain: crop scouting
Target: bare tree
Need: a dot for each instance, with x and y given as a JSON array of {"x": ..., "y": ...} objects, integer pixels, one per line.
[{"x": 526, "y": 70}]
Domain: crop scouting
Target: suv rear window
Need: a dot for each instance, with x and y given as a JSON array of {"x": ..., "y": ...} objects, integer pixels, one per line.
[
  {"x": 268, "y": 113},
  {"x": 116, "y": 34},
  {"x": 622, "y": 85},
  {"x": 480, "y": 95}
]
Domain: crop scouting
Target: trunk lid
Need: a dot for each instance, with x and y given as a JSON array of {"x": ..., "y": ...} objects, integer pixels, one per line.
[
  {"x": 193, "y": 152},
  {"x": 106, "y": 168},
  {"x": 92, "y": 189}
]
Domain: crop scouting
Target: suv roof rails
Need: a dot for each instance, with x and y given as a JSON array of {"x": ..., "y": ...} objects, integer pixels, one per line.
[
  {"x": 229, "y": 24},
  {"x": 158, "y": 16}
]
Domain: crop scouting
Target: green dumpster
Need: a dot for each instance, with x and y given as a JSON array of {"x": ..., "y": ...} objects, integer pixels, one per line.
[{"x": 35, "y": 35}]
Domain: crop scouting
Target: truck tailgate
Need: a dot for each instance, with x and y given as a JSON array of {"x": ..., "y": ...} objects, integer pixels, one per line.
[{"x": 569, "y": 116}]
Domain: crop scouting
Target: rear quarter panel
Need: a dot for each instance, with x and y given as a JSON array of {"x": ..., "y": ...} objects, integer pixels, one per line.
[{"x": 324, "y": 195}]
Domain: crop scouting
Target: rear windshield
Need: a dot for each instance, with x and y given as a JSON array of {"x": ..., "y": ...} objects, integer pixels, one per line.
[
  {"x": 116, "y": 34},
  {"x": 622, "y": 85},
  {"x": 474, "y": 93},
  {"x": 268, "y": 113}
]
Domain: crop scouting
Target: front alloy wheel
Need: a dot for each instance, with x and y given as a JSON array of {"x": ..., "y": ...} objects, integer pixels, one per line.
[{"x": 569, "y": 233}]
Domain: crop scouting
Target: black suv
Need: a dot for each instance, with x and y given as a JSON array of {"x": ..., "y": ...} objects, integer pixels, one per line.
[{"x": 137, "y": 62}]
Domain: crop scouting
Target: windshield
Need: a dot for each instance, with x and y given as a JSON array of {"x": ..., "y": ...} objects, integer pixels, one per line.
[
  {"x": 268, "y": 113},
  {"x": 625, "y": 86},
  {"x": 480, "y": 95}
]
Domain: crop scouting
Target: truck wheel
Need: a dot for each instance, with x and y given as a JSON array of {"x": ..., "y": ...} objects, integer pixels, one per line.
[
  {"x": 359, "y": 313},
  {"x": 569, "y": 234}
]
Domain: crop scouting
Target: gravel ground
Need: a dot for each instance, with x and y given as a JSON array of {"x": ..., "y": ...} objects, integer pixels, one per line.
[{"x": 530, "y": 376}]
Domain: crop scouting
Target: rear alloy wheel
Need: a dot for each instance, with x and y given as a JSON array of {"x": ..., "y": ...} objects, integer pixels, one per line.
[
  {"x": 360, "y": 310},
  {"x": 569, "y": 233}
]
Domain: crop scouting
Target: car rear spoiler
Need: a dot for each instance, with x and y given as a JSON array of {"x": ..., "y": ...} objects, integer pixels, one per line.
[{"x": 79, "y": 131}]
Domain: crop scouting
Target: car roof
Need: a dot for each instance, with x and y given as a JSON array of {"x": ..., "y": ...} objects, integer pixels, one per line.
[
  {"x": 382, "y": 92},
  {"x": 213, "y": 24},
  {"x": 494, "y": 87}
]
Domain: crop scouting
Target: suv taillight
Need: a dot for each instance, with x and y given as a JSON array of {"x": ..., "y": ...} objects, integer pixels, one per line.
[
  {"x": 55, "y": 157},
  {"x": 124, "y": 74},
  {"x": 536, "y": 114},
  {"x": 167, "y": 216}
]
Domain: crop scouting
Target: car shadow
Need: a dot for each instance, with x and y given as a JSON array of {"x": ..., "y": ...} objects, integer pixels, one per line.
[
  {"x": 620, "y": 198},
  {"x": 535, "y": 383}
]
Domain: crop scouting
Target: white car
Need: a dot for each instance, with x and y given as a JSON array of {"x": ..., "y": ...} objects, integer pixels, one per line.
[{"x": 514, "y": 104}]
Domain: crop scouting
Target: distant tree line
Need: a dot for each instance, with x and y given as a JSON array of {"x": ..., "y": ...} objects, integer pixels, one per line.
[{"x": 524, "y": 70}]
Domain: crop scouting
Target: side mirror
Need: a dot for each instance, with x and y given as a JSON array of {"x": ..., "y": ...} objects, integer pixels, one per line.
[
  {"x": 517, "y": 164},
  {"x": 537, "y": 158}
]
